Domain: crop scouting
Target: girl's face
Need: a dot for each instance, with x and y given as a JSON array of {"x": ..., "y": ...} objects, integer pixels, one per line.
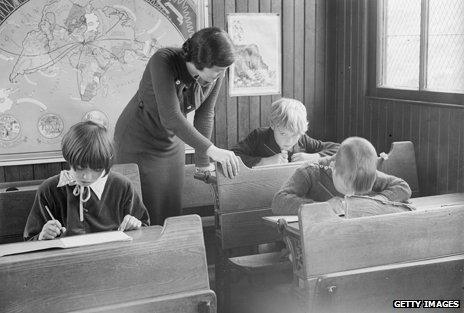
[
  {"x": 86, "y": 176},
  {"x": 210, "y": 74},
  {"x": 284, "y": 138}
]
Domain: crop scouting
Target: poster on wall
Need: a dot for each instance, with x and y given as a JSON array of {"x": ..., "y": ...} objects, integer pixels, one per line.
[
  {"x": 257, "y": 69},
  {"x": 64, "y": 61}
]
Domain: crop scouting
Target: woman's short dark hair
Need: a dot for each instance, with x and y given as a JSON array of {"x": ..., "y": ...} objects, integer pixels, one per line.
[
  {"x": 87, "y": 144},
  {"x": 209, "y": 47}
]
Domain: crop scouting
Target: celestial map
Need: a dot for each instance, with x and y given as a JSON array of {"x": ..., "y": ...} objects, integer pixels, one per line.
[
  {"x": 97, "y": 117},
  {"x": 65, "y": 60},
  {"x": 50, "y": 126}
]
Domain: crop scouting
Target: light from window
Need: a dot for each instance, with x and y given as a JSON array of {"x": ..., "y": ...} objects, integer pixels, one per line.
[{"x": 421, "y": 45}]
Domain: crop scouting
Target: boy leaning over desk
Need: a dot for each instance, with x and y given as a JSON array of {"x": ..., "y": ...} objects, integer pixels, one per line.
[
  {"x": 285, "y": 140},
  {"x": 350, "y": 183}
]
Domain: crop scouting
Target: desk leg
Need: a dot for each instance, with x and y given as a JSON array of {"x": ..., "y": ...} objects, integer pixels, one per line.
[{"x": 222, "y": 279}]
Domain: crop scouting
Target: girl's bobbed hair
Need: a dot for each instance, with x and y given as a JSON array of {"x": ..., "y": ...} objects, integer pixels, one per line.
[
  {"x": 87, "y": 144},
  {"x": 209, "y": 47}
]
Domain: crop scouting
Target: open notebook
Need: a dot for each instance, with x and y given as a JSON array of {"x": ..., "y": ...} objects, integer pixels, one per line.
[{"x": 65, "y": 242}]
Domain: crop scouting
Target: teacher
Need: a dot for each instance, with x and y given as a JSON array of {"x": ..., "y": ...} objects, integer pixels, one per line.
[{"x": 152, "y": 129}]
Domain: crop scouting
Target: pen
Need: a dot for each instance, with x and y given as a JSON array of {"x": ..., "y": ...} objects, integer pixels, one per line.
[
  {"x": 62, "y": 230},
  {"x": 326, "y": 190},
  {"x": 270, "y": 150},
  {"x": 50, "y": 213}
]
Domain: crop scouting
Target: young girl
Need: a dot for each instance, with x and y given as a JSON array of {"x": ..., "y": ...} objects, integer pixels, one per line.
[{"x": 88, "y": 198}]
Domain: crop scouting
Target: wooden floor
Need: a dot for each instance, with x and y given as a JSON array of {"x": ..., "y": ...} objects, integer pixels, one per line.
[{"x": 263, "y": 298}]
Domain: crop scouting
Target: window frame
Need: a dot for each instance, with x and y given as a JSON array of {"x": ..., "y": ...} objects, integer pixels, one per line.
[{"x": 374, "y": 64}]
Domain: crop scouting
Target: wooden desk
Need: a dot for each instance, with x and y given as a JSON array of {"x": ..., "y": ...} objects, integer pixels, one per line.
[
  {"x": 358, "y": 265},
  {"x": 434, "y": 202},
  {"x": 161, "y": 269}
]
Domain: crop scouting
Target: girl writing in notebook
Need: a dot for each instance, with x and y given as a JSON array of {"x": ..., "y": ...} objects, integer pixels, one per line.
[{"x": 89, "y": 197}]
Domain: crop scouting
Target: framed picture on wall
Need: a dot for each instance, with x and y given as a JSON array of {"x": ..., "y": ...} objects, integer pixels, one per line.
[
  {"x": 257, "y": 69},
  {"x": 62, "y": 62}
]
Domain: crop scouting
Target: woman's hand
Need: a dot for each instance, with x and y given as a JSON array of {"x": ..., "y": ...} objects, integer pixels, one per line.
[
  {"x": 229, "y": 161},
  {"x": 51, "y": 230}
]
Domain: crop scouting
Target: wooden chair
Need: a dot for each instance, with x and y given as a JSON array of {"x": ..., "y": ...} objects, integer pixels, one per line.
[
  {"x": 160, "y": 270},
  {"x": 363, "y": 264},
  {"x": 401, "y": 162},
  {"x": 242, "y": 202},
  {"x": 16, "y": 199}
]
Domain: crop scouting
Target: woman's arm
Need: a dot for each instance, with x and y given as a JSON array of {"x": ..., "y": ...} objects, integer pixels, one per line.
[
  {"x": 171, "y": 116},
  {"x": 204, "y": 120}
]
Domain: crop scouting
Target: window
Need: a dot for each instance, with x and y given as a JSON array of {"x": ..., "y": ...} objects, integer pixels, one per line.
[{"x": 416, "y": 49}]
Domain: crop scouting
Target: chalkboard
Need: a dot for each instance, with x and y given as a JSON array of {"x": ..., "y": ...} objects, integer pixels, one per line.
[{"x": 64, "y": 61}]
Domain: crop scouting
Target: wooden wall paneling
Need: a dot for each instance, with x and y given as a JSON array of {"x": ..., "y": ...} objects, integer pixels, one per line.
[
  {"x": 299, "y": 50},
  {"x": 310, "y": 64},
  {"x": 453, "y": 150},
  {"x": 360, "y": 57},
  {"x": 265, "y": 101},
  {"x": 460, "y": 168},
  {"x": 340, "y": 60},
  {"x": 415, "y": 127},
  {"x": 288, "y": 49},
  {"x": 375, "y": 120},
  {"x": 406, "y": 123},
  {"x": 26, "y": 172},
  {"x": 391, "y": 111},
  {"x": 422, "y": 168},
  {"x": 231, "y": 105},
  {"x": 347, "y": 69},
  {"x": 319, "y": 67},
  {"x": 220, "y": 120},
  {"x": 354, "y": 67},
  {"x": 40, "y": 171},
  {"x": 330, "y": 131},
  {"x": 243, "y": 102},
  {"x": 436, "y": 131},
  {"x": 382, "y": 125},
  {"x": 276, "y": 7},
  {"x": 442, "y": 148},
  {"x": 433, "y": 150},
  {"x": 254, "y": 118},
  {"x": 11, "y": 173}
]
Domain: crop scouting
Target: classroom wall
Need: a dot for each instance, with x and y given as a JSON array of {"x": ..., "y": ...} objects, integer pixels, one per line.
[
  {"x": 437, "y": 131},
  {"x": 308, "y": 51}
]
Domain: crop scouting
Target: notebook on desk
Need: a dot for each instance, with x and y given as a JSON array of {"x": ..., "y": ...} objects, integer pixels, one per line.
[{"x": 65, "y": 242}]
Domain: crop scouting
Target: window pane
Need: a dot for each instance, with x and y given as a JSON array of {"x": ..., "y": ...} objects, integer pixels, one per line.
[
  {"x": 445, "y": 71},
  {"x": 402, "y": 41}
]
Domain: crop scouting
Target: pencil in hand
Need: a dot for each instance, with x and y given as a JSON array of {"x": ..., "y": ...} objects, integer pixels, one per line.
[
  {"x": 270, "y": 150},
  {"x": 63, "y": 229}
]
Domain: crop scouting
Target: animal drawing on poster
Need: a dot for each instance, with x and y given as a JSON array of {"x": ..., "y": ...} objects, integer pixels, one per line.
[{"x": 256, "y": 70}]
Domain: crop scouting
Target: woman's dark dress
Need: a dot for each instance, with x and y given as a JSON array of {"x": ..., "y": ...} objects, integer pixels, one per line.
[{"x": 152, "y": 129}]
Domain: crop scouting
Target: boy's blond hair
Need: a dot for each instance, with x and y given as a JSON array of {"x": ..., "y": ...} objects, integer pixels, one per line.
[
  {"x": 356, "y": 163},
  {"x": 289, "y": 114}
]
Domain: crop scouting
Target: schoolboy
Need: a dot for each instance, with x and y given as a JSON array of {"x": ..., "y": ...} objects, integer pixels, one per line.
[
  {"x": 352, "y": 185},
  {"x": 285, "y": 140},
  {"x": 88, "y": 198}
]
